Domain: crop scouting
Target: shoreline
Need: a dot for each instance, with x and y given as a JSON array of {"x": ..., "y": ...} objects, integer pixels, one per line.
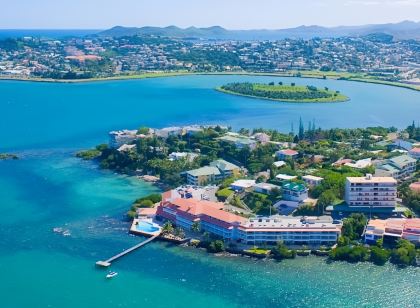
[
  {"x": 219, "y": 89},
  {"x": 308, "y": 74}
]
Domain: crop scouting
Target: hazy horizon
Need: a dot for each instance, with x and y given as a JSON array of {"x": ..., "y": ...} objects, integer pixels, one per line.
[
  {"x": 232, "y": 15},
  {"x": 171, "y": 25}
]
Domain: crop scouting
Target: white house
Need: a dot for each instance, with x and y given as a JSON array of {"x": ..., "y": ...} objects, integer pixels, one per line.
[
  {"x": 285, "y": 177},
  {"x": 279, "y": 163},
  {"x": 312, "y": 180},
  {"x": 265, "y": 188},
  {"x": 241, "y": 185}
]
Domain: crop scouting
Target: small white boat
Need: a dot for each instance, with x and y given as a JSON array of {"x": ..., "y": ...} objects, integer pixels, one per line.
[
  {"x": 111, "y": 275},
  {"x": 66, "y": 233}
]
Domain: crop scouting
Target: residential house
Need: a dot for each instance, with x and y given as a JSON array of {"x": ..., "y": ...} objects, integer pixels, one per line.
[
  {"x": 294, "y": 192},
  {"x": 263, "y": 138},
  {"x": 414, "y": 153},
  {"x": 312, "y": 180},
  {"x": 279, "y": 163},
  {"x": 217, "y": 171},
  {"x": 360, "y": 164},
  {"x": 242, "y": 185},
  {"x": 398, "y": 167},
  {"x": 285, "y": 177},
  {"x": 183, "y": 155},
  {"x": 287, "y": 154},
  {"x": 240, "y": 141},
  {"x": 392, "y": 229},
  {"x": 120, "y": 137},
  {"x": 265, "y": 188}
]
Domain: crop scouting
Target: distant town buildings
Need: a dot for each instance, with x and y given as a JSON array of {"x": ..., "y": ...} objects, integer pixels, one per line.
[{"x": 69, "y": 57}]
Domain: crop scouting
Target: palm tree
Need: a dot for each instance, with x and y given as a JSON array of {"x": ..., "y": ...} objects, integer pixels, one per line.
[
  {"x": 179, "y": 232},
  {"x": 167, "y": 228},
  {"x": 196, "y": 227}
]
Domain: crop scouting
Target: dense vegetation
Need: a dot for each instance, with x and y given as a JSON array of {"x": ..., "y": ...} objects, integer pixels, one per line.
[
  {"x": 289, "y": 93},
  {"x": 349, "y": 247},
  {"x": 144, "y": 202}
]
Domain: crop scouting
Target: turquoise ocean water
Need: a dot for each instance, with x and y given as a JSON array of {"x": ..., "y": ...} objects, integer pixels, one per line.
[{"x": 46, "y": 123}]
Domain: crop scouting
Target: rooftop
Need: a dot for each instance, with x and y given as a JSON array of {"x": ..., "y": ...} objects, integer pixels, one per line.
[
  {"x": 288, "y": 222},
  {"x": 402, "y": 160},
  {"x": 206, "y": 170},
  {"x": 285, "y": 177},
  {"x": 243, "y": 183},
  {"x": 372, "y": 179},
  {"x": 294, "y": 186},
  {"x": 211, "y": 209},
  {"x": 288, "y": 152},
  {"x": 312, "y": 178},
  {"x": 223, "y": 165},
  {"x": 189, "y": 191}
]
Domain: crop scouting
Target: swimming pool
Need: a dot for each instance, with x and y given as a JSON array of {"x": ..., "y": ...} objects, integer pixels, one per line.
[{"x": 145, "y": 226}]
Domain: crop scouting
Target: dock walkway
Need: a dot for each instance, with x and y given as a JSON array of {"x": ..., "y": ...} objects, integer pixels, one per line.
[{"x": 127, "y": 251}]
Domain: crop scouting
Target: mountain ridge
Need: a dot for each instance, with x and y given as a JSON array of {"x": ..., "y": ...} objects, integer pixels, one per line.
[{"x": 400, "y": 31}]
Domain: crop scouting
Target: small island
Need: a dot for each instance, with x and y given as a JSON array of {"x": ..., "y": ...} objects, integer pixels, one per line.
[
  {"x": 4, "y": 156},
  {"x": 285, "y": 93}
]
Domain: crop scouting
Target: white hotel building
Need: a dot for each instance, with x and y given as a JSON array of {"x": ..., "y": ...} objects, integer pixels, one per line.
[{"x": 371, "y": 192}]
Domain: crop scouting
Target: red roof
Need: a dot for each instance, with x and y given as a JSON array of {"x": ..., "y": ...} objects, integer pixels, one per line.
[
  {"x": 289, "y": 152},
  {"x": 191, "y": 208}
]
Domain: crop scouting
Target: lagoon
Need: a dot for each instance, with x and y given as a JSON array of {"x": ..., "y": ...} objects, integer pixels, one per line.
[
  {"x": 48, "y": 187},
  {"x": 45, "y": 115}
]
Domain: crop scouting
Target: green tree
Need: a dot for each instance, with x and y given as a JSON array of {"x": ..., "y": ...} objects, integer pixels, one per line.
[
  {"x": 216, "y": 246},
  {"x": 282, "y": 252},
  {"x": 167, "y": 228},
  {"x": 378, "y": 255},
  {"x": 143, "y": 130},
  {"x": 404, "y": 254},
  {"x": 196, "y": 227}
]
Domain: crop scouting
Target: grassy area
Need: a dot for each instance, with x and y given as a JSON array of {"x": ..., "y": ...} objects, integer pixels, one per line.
[
  {"x": 88, "y": 154},
  {"x": 224, "y": 193},
  {"x": 258, "y": 251},
  {"x": 284, "y": 93},
  {"x": 118, "y": 77}
]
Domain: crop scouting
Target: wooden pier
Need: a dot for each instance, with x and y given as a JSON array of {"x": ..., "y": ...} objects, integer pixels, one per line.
[{"x": 108, "y": 262}]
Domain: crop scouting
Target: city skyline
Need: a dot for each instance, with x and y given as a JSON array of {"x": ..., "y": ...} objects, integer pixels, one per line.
[{"x": 235, "y": 14}]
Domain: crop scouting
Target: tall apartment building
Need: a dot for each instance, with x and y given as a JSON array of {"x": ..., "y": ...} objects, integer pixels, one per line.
[{"x": 371, "y": 192}]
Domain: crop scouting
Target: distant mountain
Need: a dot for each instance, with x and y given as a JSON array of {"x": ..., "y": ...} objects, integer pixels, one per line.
[{"x": 402, "y": 30}]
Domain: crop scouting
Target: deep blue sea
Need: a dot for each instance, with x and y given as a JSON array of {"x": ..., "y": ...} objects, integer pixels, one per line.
[
  {"x": 45, "y": 33},
  {"x": 46, "y": 123}
]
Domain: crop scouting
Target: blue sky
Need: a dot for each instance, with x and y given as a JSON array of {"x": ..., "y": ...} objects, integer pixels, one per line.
[{"x": 232, "y": 14}]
